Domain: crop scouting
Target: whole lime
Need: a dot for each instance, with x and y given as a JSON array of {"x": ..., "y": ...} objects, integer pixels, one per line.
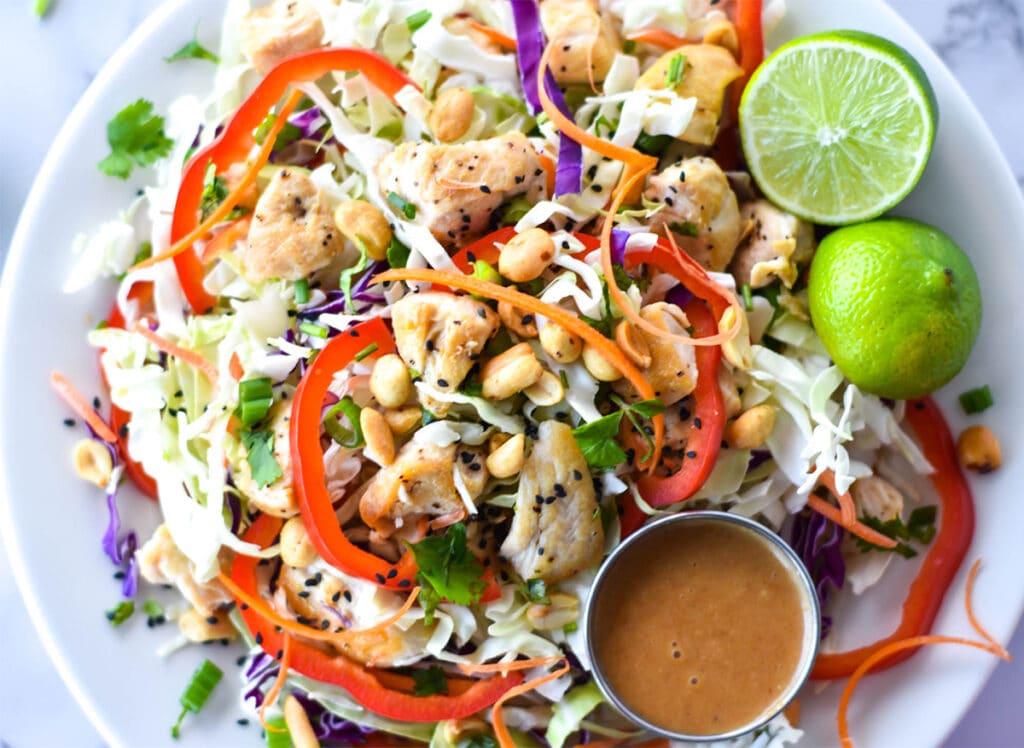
[{"x": 897, "y": 305}]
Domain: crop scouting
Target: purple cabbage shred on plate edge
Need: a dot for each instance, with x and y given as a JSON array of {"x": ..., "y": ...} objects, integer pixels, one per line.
[{"x": 816, "y": 541}]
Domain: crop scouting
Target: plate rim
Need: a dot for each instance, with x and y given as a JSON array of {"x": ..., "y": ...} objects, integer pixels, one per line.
[{"x": 18, "y": 254}]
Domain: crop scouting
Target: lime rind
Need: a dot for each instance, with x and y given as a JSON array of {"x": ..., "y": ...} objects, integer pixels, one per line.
[{"x": 837, "y": 158}]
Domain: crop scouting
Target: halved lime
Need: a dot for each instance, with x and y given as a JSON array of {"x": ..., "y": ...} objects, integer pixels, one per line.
[{"x": 837, "y": 127}]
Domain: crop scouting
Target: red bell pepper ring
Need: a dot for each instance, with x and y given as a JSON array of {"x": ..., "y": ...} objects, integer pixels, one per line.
[
  {"x": 949, "y": 547},
  {"x": 315, "y": 503},
  {"x": 237, "y": 139},
  {"x": 362, "y": 683}
]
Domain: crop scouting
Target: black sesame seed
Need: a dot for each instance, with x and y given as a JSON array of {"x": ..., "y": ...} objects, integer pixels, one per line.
[
  {"x": 348, "y": 596},
  {"x": 691, "y": 454},
  {"x": 540, "y": 551},
  {"x": 485, "y": 189},
  {"x": 466, "y": 457},
  {"x": 69, "y": 422},
  {"x": 380, "y": 578},
  {"x": 550, "y": 500},
  {"x": 403, "y": 583},
  {"x": 242, "y": 721},
  {"x": 442, "y": 382},
  {"x": 393, "y": 573},
  {"x": 259, "y": 638},
  {"x": 559, "y": 490},
  {"x": 335, "y": 597},
  {"x": 212, "y": 620},
  {"x": 303, "y": 621},
  {"x": 520, "y": 178},
  {"x": 304, "y": 593},
  {"x": 577, "y": 475},
  {"x": 279, "y": 655},
  {"x": 696, "y": 423},
  {"x": 430, "y": 345},
  {"x": 599, "y": 188}
]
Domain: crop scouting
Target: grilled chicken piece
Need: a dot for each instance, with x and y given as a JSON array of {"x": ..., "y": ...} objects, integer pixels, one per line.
[
  {"x": 421, "y": 482},
  {"x": 456, "y": 188},
  {"x": 556, "y": 531},
  {"x": 699, "y": 208},
  {"x": 580, "y": 37},
  {"x": 275, "y": 31},
  {"x": 441, "y": 336},
  {"x": 707, "y": 72},
  {"x": 160, "y": 562},
  {"x": 325, "y": 599},
  {"x": 778, "y": 244},
  {"x": 292, "y": 233},
  {"x": 277, "y": 498},
  {"x": 673, "y": 369}
]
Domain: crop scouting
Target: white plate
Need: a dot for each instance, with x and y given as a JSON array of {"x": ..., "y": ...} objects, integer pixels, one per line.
[{"x": 53, "y": 523}]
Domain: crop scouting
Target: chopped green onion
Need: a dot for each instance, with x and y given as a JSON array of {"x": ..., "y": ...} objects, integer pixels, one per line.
[
  {"x": 277, "y": 733},
  {"x": 154, "y": 612},
  {"x": 254, "y": 389},
  {"x": 418, "y": 20},
  {"x": 397, "y": 254},
  {"x": 391, "y": 130},
  {"x": 629, "y": 46},
  {"x": 537, "y": 591},
  {"x": 652, "y": 145},
  {"x": 748, "y": 299},
  {"x": 976, "y": 400},
  {"x": 674, "y": 74},
  {"x": 255, "y": 396},
  {"x": 367, "y": 351},
  {"x": 314, "y": 331},
  {"x": 512, "y": 212},
  {"x": 564, "y": 379},
  {"x": 121, "y": 612},
  {"x": 485, "y": 271},
  {"x": 41, "y": 8},
  {"x": 570, "y": 628},
  {"x": 685, "y": 228},
  {"x": 302, "y": 291},
  {"x": 332, "y": 425},
  {"x": 204, "y": 680},
  {"x": 426, "y": 416},
  {"x": 402, "y": 205}
]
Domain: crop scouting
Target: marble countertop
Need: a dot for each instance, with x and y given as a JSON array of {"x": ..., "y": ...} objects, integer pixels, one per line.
[{"x": 47, "y": 65}]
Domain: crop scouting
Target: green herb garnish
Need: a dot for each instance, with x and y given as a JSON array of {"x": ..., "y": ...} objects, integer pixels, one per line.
[
  {"x": 193, "y": 50},
  {"x": 120, "y": 612},
  {"x": 136, "y": 137},
  {"x": 402, "y": 205},
  {"x": 418, "y": 20},
  {"x": 204, "y": 680},
  {"x": 447, "y": 570},
  {"x": 675, "y": 72},
  {"x": 430, "y": 681},
  {"x": 920, "y": 527},
  {"x": 598, "y": 439},
  {"x": 350, "y": 438},
  {"x": 302, "y": 291},
  {"x": 259, "y": 447},
  {"x": 537, "y": 591},
  {"x": 977, "y": 400}
]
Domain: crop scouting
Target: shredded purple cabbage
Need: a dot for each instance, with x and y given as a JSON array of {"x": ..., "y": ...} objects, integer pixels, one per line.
[
  {"x": 816, "y": 540},
  {"x": 529, "y": 50},
  {"x": 310, "y": 122},
  {"x": 330, "y": 728},
  {"x": 679, "y": 295},
  {"x": 120, "y": 550},
  {"x": 335, "y": 302},
  {"x": 619, "y": 239},
  {"x": 758, "y": 457}
]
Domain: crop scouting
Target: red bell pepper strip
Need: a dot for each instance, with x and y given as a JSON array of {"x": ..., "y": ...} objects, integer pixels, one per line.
[
  {"x": 119, "y": 418},
  {"x": 362, "y": 683},
  {"x": 485, "y": 248},
  {"x": 947, "y": 553},
  {"x": 314, "y": 501},
  {"x": 237, "y": 139},
  {"x": 750, "y": 35}
]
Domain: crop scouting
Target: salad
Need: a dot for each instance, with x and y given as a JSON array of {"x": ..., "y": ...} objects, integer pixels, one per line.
[{"x": 425, "y": 308}]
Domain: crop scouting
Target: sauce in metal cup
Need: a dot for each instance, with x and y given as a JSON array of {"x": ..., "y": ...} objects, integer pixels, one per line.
[{"x": 702, "y": 626}]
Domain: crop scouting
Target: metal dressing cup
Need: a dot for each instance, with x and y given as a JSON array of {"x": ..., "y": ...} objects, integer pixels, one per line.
[{"x": 789, "y": 561}]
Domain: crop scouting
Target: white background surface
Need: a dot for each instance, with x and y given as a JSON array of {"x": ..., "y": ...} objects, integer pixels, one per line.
[{"x": 45, "y": 66}]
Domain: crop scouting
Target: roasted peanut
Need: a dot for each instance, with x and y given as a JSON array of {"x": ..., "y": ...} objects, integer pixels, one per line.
[
  {"x": 560, "y": 611},
  {"x": 452, "y": 114},
  {"x": 93, "y": 462},
  {"x": 523, "y": 324},
  {"x": 547, "y": 390},
  {"x": 359, "y": 220},
  {"x": 560, "y": 344},
  {"x": 197, "y": 627},
  {"x": 403, "y": 420},
  {"x": 599, "y": 367},
  {"x": 496, "y": 440},
  {"x": 507, "y": 459},
  {"x": 297, "y": 549},
  {"x": 390, "y": 383},
  {"x": 380, "y": 442},
  {"x": 633, "y": 344},
  {"x": 510, "y": 372},
  {"x": 299, "y": 729},
  {"x": 978, "y": 449},
  {"x": 751, "y": 428},
  {"x": 526, "y": 255}
]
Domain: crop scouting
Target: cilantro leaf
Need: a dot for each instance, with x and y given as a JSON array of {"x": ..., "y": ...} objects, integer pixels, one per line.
[
  {"x": 920, "y": 527},
  {"x": 193, "y": 50},
  {"x": 430, "y": 681},
  {"x": 136, "y": 137},
  {"x": 597, "y": 441},
  {"x": 448, "y": 571},
  {"x": 647, "y": 408},
  {"x": 215, "y": 191},
  {"x": 259, "y": 446}
]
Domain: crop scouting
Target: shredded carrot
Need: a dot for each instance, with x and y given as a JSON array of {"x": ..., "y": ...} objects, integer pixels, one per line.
[
  {"x": 846, "y": 506},
  {"x": 507, "y": 667},
  {"x": 856, "y": 527},
  {"x": 607, "y": 348},
  {"x": 623, "y": 302},
  {"x": 235, "y": 367},
  {"x": 82, "y": 409},
  {"x": 502, "y": 40},
  {"x": 235, "y": 196},
  {"x": 264, "y": 608},
  {"x": 275, "y": 690},
  {"x": 567, "y": 127},
  {"x": 658, "y": 38},
  {"x": 226, "y": 238},
  {"x": 500, "y": 730},
  {"x": 989, "y": 645},
  {"x": 191, "y": 358},
  {"x": 548, "y": 165}
]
